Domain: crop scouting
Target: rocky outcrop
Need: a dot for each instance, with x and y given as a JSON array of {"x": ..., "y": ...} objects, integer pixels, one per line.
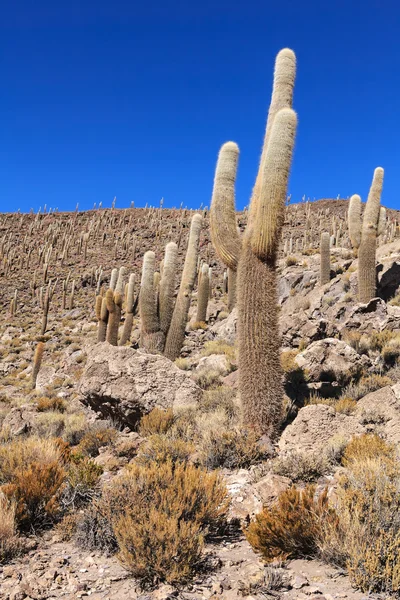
[
  {"x": 315, "y": 426},
  {"x": 331, "y": 360},
  {"x": 379, "y": 412},
  {"x": 124, "y": 384},
  {"x": 226, "y": 329}
]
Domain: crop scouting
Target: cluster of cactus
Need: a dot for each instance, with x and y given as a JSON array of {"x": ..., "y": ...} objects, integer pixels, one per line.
[
  {"x": 163, "y": 321},
  {"x": 363, "y": 235},
  {"x": 253, "y": 258}
]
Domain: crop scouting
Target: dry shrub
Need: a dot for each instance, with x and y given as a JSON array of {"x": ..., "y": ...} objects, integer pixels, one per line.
[
  {"x": 365, "y": 447},
  {"x": 207, "y": 378},
  {"x": 51, "y": 404},
  {"x": 235, "y": 449},
  {"x": 66, "y": 528},
  {"x": 161, "y": 513},
  {"x": 345, "y": 406},
  {"x": 379, "y": 339},
  {"x": 96, "y": 438},
  {"x": 219, "y": 347},
  {"x": 10, "y": 544},
  {"x": 221, "y": 398},
  {"x": 32, "y": 474},
  {"x": 365, "y": 386},
  {"x": 156, "y": 421},
  {"x": 82, "y": 481},
  {"x": 391, "y": 351},
  {"x": 290, "y": 261},
  {"x": 94, "y": 529},
  {"x": 292, "y": 527},
  {"x": 182, "y": 363},
  {"x": 35, "y": 489},
  {"x": 302, "y": 466},
  {"x": 198, "y": 325},
  {"x": 160, "y": 448},
  {"x": 367, "y": 539}
]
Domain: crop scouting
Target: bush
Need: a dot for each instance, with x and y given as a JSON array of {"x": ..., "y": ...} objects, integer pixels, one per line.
[
  {"x": 32, "y": 474},
  {"x": 10, "y": 544},
  {"x": 236, "y": 449},
  {"x": 94, "y": 439},
  {"x": 156, "y": 421},
  {"x": 365, "y": 447},
  {"x": 292, "y": 527},
  {"x": 219, "y": 347},
  {"x": 367, "y": 538},
  {"x": 345, "y": 406},
  {"x": 160, "y": 449},
  {"x": 94, "y": 529},
  {"x": 161, "y": 513},
  {"x": 207, "y": 378},
  {"x": 365, "y": 386},
  {"x": 51, "y": 404},
  {"x": 302, "y": 466},
  {"x": 81, "y": 482},
  {"x": 290, "y": 261}
]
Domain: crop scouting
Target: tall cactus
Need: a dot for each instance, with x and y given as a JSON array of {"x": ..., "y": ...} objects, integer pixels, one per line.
[
  {"x": 151, "y": 336},
  {"x": 369, "y": 230},
  {"x": 203, "y": 294},
  {"x": 176, "y": 331},
  {"x": 129, "y": 311},
  {"x": 114, "y": 305},
  {"x": 167, "y": 286},
  {"x": 102, "y": 318},
  {"x": 37, "y": 361},
  {"x": 325, "y": 260},
  {"x": 260, "y": 372},
  {"x": 354, "y": 221}
]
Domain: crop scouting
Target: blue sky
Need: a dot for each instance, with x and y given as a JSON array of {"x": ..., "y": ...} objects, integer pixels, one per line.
[{"x": 133, "y": 100}]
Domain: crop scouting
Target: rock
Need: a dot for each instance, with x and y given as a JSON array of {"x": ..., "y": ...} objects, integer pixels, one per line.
[
  {"x": 381, "y": 410},
  {"x": 331, "y": 360},
  {"x": 124, "y": 384},
  {"x": 215, "y": 362},
  {"x": 314, "y": 426},
  {"x": 226, "y": 330},
  {"x": 45, "y": 378},
  {"x": 232, "y": 380},
  {"x": 269, "y": 487},
  {"x": 388, "y": 278},
  {"x": 19, "y": 420}
]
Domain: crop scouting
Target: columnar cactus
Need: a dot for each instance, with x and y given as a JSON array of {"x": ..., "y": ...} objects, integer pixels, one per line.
[
  {"x": 176, "y": 331},
  {"x": 354, "y": 221},
  {"x": 203, "y": 295},
  {"x": 129, "y": 311},
  {"x": 46, "y": 304},
  {"x": 167, "y": 286},
  {"x": 260, "y": 372},
  {"x": 102, "y": 318},
  {"x": 114, "y": 305},
  {"x": 325, "y": 261},
  {"x": 369, "y": 230},
  {"x": 37, "y": 361},
  {"x": 151, "y": 336}
]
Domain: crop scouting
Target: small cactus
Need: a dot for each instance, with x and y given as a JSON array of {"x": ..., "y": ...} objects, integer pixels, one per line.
[
  {"x": 129, "y": 311},
  {"x": 37, "y": 361},
  {"x": 203, "y": 295},
  {"x": 325, "y": 262}
]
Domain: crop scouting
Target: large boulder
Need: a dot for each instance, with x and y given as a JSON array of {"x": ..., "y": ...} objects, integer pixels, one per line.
[
  {"x": 226, "y": 329},
  {"x": 331, "y": 360},
  {"x": 379, "y": 412},
  {"x": 314, "y": 426},
  {"x": 124, "y": 384}
]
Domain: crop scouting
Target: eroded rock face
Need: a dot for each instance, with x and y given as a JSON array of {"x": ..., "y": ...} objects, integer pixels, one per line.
[
  {"x": 124, "y": 384},
  {"x": 315, "y": 425},
  {"x": 380, "y": 412},
  {"x": 331, "y": 360},
  {"x": 226, "y": 329}
]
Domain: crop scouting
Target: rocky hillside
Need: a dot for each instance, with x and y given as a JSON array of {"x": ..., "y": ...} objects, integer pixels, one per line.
[{"x": 99, "y": 417}]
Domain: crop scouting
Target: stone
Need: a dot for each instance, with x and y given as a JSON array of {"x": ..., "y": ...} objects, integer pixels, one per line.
[
  {"x": 380, "y": 410},
  {"x": 19, "y": 420},
  {"x": 45, "y": 378},
  {"x": 226, "y": 329},
  {"x": 215, "y": 362},
  {"x": 331, "y": 360},
  {"x": 314, "y": 426},
  {"x": 124, "y": 384}
]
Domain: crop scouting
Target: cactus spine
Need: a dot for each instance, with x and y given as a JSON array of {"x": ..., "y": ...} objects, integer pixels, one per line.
[
  {"x": 37, "y": 361},
  {"x": 325, "y": 261},
  {"x": 260, "y": 372},
  {"x": 203, "y": 295},
  {"x": 369, "y": 230}
]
